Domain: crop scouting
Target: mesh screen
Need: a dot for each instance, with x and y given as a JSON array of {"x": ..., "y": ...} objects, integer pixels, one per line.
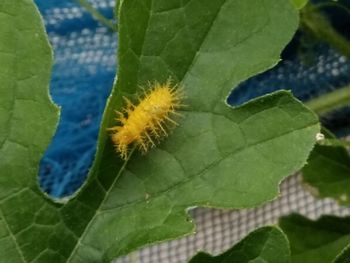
[
  {"x": 217, "y": 230},
  {"x": 82, "y": 78}
]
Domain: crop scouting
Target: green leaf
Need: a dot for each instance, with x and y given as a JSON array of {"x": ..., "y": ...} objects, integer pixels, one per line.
[
  {"x": 327, "y": 173},
  {"x": 266, "y": 244},
  {"x": 344, "y": 256},
  {"x": 299, "y": 4},
  {"x": 28, "y": 120},
  {"x": 316, "y": 241},
  {"x": 218, "y": 156}
]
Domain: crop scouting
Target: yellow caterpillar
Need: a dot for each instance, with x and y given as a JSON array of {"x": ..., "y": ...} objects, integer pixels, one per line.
[{"x": 146, "y": 120}]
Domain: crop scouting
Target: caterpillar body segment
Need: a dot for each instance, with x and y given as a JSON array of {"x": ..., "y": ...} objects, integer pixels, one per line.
[{"x": 144, "y": 124}]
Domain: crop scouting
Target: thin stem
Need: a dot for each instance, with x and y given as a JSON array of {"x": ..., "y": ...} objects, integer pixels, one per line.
[
  {"x": 314, "y": 21},
  {"x": 334, "y": 142},
  {"x": 330, "y": 101},
  {"x": 97, "y": 15}
]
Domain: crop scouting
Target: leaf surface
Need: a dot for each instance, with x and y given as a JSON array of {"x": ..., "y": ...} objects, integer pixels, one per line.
[
  {"x": 218, "y": 156},
  {"x": 266, "y": 244},
  {"x": 317, "y": 241},
  {"x": 327, "y": 173},
  {"x": 28, "y": 119},
  {"x": 299, "y": 4}
]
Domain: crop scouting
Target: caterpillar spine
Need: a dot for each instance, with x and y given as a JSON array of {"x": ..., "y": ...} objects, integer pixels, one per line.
[{"x": 145, "y": 122}]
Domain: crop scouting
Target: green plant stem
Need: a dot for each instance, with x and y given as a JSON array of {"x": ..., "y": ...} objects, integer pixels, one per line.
[
  {"x": 314, "y": 21},
  {"x": 97, "y": 15},
  {"x": 330, "y": 101},
  {"x": 334, "y": 142}
]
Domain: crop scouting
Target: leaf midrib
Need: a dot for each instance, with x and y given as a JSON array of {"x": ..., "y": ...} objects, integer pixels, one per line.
[
  {"x": 20, "y": 253},
  {"x": 335, "y": 162},
  {"x": 97, "y": 210}
]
